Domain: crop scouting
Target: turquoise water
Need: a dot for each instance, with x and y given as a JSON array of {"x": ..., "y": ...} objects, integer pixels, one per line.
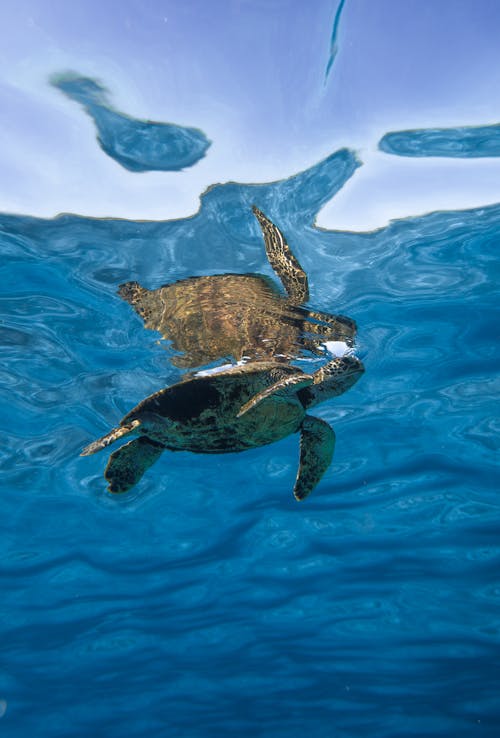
[
  {"x": 138, "y": 145},
  {"x": 465, "y": 142},
  {"x": 207, "y": 602}
]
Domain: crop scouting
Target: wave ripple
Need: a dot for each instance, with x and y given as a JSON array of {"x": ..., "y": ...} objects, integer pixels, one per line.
[{"x": 209, "y": 603}]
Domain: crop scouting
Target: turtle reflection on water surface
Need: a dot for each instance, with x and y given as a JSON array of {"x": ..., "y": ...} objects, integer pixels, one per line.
[
  {"x": 240, "y": 317},
  {"x": 232, "y": 410}
]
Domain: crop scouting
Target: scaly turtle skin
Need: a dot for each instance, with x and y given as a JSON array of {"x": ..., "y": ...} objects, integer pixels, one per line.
[
  {"x": 240, "y": 316},
  {"x": 232, "y": 410}
]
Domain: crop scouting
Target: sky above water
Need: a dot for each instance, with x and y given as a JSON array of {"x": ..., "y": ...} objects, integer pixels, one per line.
[{"x": 252, "y": 76}]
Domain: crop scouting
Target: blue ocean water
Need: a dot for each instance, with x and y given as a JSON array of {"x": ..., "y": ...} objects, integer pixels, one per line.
[
  {"x": 208, "y": 602},
  {"x": 138, "y": 145},
  {"x": 334, "y": 46},
  {"x": 464, "y": 142}
]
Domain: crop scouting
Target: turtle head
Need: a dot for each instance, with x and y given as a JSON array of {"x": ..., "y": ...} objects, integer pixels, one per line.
[
  {"x": 332, "y": 380},
  {"x": 346, "y": 372}
]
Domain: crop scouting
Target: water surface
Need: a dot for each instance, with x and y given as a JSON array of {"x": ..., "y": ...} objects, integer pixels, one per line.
[
  {"x": 208, "y": 602},
  {"x": 138, "y": 145}
]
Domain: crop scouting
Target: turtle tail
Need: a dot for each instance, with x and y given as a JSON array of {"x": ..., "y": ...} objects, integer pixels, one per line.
[{"x": 109, "y": 438}]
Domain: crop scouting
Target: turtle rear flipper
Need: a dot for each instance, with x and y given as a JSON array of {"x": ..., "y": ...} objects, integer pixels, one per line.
[
  {"x": 317, "y": 444},
  {"x": 127, "y": 464},
  {"x": 109, "y": 438},
  {"x": 143, "y": 301},
  {"x": 282, "y": 260},
  {"x": 132, "y": 292},
  {"x": 285, "y": 388}
]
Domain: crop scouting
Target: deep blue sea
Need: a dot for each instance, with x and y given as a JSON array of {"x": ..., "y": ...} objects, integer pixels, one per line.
[{"x": 207, "y": 602}]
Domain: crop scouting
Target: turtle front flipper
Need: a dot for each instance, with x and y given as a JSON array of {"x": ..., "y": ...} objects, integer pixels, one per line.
[
  {"x": 284, "y": 387},
  {"x": 109, "y": 438},
  {"x": 127, "y": 464},
  {"x": 317, "y": 444},
  {"x": 282, "y": 260},
  {"x": 146, "y": 303}
]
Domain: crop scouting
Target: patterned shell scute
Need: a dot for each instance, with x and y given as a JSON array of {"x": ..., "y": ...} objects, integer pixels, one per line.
[{"x": 200, "y": 414}]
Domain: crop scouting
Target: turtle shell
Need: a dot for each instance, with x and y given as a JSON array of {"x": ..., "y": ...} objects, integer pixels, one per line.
[{"x": 201, "y": 413}]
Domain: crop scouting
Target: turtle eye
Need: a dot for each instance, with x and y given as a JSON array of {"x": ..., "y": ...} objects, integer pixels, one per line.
[{"x": 275, "y": 375}]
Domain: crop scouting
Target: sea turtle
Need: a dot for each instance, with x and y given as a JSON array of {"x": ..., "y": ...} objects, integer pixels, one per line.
[
  {"x": 232, "y": 410},
  {"x": 240, "y": 317}
]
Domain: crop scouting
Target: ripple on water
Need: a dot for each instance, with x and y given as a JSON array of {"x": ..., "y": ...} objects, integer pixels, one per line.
[
  {"x": 209, "y": 579},
  {"x": 466, "y": 142},
  {"x": 138, "y": 145}
]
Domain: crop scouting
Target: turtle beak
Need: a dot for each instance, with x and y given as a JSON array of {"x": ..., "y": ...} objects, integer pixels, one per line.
[
  {"x": 353, "y": 367},
  {"x": 353, "y": 364}
]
